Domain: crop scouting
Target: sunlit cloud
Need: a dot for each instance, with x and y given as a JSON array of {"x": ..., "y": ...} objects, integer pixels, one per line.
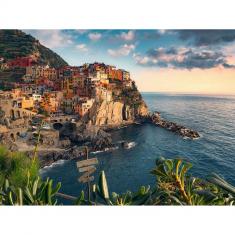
[
  {"x": 81, "y": 31},
  {"x": 127, "y": 36},
  {"x": 82, "y": 47},
  {"x": 123, "y": 50},
  {"x": 52, "y": 38},
  {"x": 183, "y": 58},
  {"x": 95, "y": 36}
]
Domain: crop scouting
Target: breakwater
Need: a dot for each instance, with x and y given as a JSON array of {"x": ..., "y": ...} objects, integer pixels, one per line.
[{"x": 183, "y": 131}]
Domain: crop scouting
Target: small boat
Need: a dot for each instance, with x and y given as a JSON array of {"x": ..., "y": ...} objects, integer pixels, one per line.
[{"x": 128, "y": 145}]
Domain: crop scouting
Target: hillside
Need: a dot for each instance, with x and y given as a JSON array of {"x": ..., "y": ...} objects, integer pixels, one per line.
[{"x": 15, "y": 43}]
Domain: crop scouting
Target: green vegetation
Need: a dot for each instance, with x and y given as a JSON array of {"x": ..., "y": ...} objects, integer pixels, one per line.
[
  {"x": 21, "y": 185},
  {"x": 129, "y": 96},
  {"x": 173, "y": 187},
  {"x": 35, "y": 192},
  {"x": 15, "y": 43},
  {"x": 16, "y": 167}
]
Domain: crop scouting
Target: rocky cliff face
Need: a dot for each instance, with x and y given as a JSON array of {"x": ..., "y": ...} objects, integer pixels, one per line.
[{"x": 126, "y": 107}]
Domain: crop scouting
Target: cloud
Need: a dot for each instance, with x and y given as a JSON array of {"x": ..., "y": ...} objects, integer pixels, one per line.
[
  {"x": 127, "y": 36},
  {"x": 82, "y": 47},
  {"x": 52, "y": 38},
  {"x": 95, "y": 36},
  {"x": 207, "y": 37},
  {"x": 141, "y": 60},
  {"x": 185, "y": 58},
  {"x": 152, "y": 34},
  {"x": 123, "y": 50},
  {"x": 81, "y": 31},
  {"x": 162, "y": 31}
]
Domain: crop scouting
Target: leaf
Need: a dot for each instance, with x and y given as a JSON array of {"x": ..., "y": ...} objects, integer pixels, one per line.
[
  {"x": 81, "y": 198},
  {"x": 177, "y": 165},
  {"x": 217, "y": 180},
  {"x": 11, "y": 198},
  {"x": 56, "y": 189},
  {"x": 48, "y": 192},
  {"x": 103, "y": 186},
  {"x": 169, "y": 164},
  {"x": 35, "y": 186},
  {"x": 19, "y": 196},
  {"x": 29, "y": 195}
]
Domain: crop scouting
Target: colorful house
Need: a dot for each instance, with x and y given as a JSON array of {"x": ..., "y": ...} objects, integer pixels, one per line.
[{"x": 21, "y": 62}]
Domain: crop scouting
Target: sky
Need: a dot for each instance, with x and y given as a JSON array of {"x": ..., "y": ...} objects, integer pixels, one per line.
[{"x": 176, "y": 61}]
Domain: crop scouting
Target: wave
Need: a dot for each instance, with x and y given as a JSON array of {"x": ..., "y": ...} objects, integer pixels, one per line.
[
  {"x": 186, "y": 138},
  {"x": 105, "y": 150},
  {"x": 46, "y": 168},
  {"x": 130, "y": 145}
]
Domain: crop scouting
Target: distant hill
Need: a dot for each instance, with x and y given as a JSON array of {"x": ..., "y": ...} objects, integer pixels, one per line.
[{"x": 15, "y": 43}]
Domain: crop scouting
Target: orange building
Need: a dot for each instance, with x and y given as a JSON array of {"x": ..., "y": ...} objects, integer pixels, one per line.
[
  {"x": 51, "y": 102},
  {"x": 118, "y": 75}
]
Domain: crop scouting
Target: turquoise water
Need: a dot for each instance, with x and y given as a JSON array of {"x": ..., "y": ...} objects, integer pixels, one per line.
[{"x": 212, "y": 116}]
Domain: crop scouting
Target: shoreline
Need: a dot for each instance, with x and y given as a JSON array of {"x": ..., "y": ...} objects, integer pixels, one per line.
[
  {"x": 49, "y": 154},
  {"x": 75, "y": 152}
]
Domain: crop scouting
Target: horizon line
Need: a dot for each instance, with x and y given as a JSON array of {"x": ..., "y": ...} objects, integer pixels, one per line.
[{"x": 188, "y": 93}]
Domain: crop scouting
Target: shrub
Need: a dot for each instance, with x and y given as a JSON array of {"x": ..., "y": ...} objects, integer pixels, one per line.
[{"x": 16, "y": 167}]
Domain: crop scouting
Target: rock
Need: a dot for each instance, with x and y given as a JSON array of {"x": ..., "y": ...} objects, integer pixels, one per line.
[
  {"x": 87, "y": 134},
  {"x": 47, "y": 157},
  {"x": 142, "y": 110},
  {"x": 65, "y": 143},
  {"x": 106, "y": 113},
  {"x": 101, "y": 141},
  {"x": 181, "y": 130},
  {"x": 115, "y": 113}
]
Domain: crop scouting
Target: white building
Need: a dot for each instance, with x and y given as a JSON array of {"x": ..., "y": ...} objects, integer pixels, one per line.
[{"x": 37, "y": 97}]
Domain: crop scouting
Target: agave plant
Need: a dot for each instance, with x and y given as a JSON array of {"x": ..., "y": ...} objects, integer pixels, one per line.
[
  {"x": 176, "y": 186},
  {"x": 36, "y": 192},
  {"x": 226, "y": 193},
  {"x": 101, "y": 195}
]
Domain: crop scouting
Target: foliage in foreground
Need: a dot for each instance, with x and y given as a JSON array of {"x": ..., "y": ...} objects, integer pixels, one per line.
[
  {"x": 16, "y": 167},
  {"x": 36, "y": 192},
  {"x": 174, "y": 186}
]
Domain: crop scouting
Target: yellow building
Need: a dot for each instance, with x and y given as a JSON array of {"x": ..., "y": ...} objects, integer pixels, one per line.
[
  {"x": 25, "y": 102},
  {"x": 67, "y": 86},
  {"x": 50, "y": 73}
]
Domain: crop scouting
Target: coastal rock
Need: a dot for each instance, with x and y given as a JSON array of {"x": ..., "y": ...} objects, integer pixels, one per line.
[
  {"x": 174, "y": 127},
  {"x": 142, "y": 110},
  {"x": 47, "y": 157},
  {"x": 87, "y": 134},
  {"x": 65, "y": 143},
  {"x": 115, "y": 113},
  {"x": 96, "y": 138},
  {"x": 101, "y": 141},
  {"x": 104, "y": 113}
]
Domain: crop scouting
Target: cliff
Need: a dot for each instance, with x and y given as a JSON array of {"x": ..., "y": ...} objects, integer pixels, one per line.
[{"x": 125, "y": 107}]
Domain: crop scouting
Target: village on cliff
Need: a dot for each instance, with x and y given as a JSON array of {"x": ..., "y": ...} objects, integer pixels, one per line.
[
  {"x": 64, "y": 95},
  {"x": 71, "y": 105}
]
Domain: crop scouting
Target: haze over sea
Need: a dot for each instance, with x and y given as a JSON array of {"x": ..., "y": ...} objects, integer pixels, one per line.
[{"x": 127, "y": 169}]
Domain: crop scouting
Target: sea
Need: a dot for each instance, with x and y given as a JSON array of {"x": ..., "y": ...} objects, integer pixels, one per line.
[{"x": 128, "y": 169}]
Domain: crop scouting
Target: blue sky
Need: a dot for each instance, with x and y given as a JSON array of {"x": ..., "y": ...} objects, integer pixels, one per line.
[
  {"x": 166, "y": 53},
  {"x": 110, "y": 46}
]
